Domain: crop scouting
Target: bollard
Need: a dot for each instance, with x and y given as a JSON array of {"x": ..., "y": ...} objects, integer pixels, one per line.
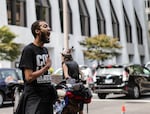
[{"x": 123, "y": 109}]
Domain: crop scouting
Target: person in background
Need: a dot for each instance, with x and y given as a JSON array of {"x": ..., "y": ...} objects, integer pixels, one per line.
[
  {"x": 70, "y": 69},
  {"x": 35, "y": 63}
]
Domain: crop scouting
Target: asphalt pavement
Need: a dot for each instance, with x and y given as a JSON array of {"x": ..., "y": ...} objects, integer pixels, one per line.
[{"x": 114, "y": 104}]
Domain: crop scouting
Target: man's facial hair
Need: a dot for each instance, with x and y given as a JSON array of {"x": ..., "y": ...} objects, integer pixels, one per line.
[{"x": 43, "y": 38}]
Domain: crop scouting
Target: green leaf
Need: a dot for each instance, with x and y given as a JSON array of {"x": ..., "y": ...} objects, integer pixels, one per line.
[
  {"x": 8, "y": 49},
  {"x": 100, "y": 47}
]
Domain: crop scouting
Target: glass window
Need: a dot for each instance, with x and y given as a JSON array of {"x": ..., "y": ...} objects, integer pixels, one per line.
[
  {"x": 131, "y": 58},
  {"x": 115, "y": 23},
  {"x": 142, "y": 59},
  {"x": 146, "y": 71},
  {"x": 43, "y": 11},
  {"x": 148, "y": 17},
  {"x": 19, "y": 74},
  {"x": 6, "y": 73},
  {"x": 113, "y": 71},
  {"x": 145, "y": 3},
  {"x": 100, "y": 19},
  {"x": 148, "y": 3},
  {"x": 137, "y": 70},
  {"x": 139, "y": 30},
  {"x": 69, "y": 14},
  {"x": 127, "y": 27},
  {"x": 16, "y": 12},
  {"x": 84, "y": 18}
]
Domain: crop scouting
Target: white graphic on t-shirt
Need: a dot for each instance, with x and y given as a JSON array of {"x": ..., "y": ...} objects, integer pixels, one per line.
[
  {"x": 41, "y": 61},
  {"x": 44, "y": 79}
]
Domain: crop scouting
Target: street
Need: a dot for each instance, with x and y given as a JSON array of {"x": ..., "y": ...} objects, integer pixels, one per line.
[
  {"x": 115, "y": 107},
  {"x": 112, "y": 105}
]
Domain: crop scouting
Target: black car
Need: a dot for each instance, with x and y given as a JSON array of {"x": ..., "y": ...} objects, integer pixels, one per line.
[
  {"x": 8, "y": 76},
  {"x": 131, "y": 80}
]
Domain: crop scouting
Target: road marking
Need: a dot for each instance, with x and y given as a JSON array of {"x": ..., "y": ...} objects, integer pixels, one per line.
[{"x": 122, "y": 100}]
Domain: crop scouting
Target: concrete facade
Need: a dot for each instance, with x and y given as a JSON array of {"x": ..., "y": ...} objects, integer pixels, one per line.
[{"x": 56, "y": 45}]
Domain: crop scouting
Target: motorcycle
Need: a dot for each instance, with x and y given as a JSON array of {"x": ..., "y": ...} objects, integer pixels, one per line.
[{"x": 71, "y": 94}]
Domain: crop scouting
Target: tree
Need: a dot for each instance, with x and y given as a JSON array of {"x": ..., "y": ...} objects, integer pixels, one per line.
[
  {"x": 100, "y": 47},
  {"x": 8, "y": 49}
]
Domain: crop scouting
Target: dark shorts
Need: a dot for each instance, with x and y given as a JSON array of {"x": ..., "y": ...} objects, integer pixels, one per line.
[
  {"x": 36, "y": 106},
  {"x": 44, "y": 108}
]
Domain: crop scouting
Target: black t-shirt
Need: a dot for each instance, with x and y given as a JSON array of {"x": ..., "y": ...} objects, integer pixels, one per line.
[
  {"x": 73, "y": 69},
  {"x": 34, "y": 57}
]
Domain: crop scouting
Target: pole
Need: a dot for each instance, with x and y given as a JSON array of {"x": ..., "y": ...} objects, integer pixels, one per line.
[
  {"x": 65, "y": 24},
  {"x": 87, "y": 109}
]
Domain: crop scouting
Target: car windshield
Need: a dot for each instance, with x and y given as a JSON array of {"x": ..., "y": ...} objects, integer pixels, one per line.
[
  {"x": 6, "y": 73},
  {"x": 148, "y": 66},
  {"x": 83, "y": 67},
  {"x": 58, "y": 71},
  {"x": 113, "y": 71}
]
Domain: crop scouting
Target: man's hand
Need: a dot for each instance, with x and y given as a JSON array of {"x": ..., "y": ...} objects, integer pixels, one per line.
[
  {"x": 48, "y": 63},
  {"x": 30, "y": 75}
]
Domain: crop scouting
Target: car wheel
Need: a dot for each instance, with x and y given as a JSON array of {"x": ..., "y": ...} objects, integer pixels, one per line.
[
  {"x": 135, "y": 93},
  {"x": 102, "y": 95},
  {"x": 1, "y": 99}
]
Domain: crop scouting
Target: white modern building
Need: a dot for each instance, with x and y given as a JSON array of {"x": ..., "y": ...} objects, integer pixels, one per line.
[
  {"x": 147, "y": 10},
  {"x": 124, "y": 19}
]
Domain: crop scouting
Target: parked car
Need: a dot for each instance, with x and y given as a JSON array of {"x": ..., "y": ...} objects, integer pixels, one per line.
[
  {"x": 147, "y": 65},
  {"x": 87, "y": 72},
  {"x": 57, "y": 76},
  {"x": 7, "y": 77},
  {"x": 58, "y": 72},
  {"x": 131, "y": 80}
]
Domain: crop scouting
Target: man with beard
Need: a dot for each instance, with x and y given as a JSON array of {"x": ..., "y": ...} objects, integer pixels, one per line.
[{"x": 35, "y": 63}]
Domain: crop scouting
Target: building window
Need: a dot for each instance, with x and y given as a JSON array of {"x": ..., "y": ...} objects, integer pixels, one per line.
[
  {"x": 147, "y": 3},
  {"x": 43, "y": 11},
  {"x": 128, "y": 29},
  {"x": 100, "y": 19},
  {"x": 84, "y": 18},
  {"x": 142, "y": 59},
  {"x": 118, "y": 58},
  {"x": 148, "y": 17},
  {"x": 16, "y": 12},
  {"x": 131, "y": 58},
  {"x": 69, "y": 14},
  {"x": 139, "y": 30},
  {"x": 115, "y": 23}
]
